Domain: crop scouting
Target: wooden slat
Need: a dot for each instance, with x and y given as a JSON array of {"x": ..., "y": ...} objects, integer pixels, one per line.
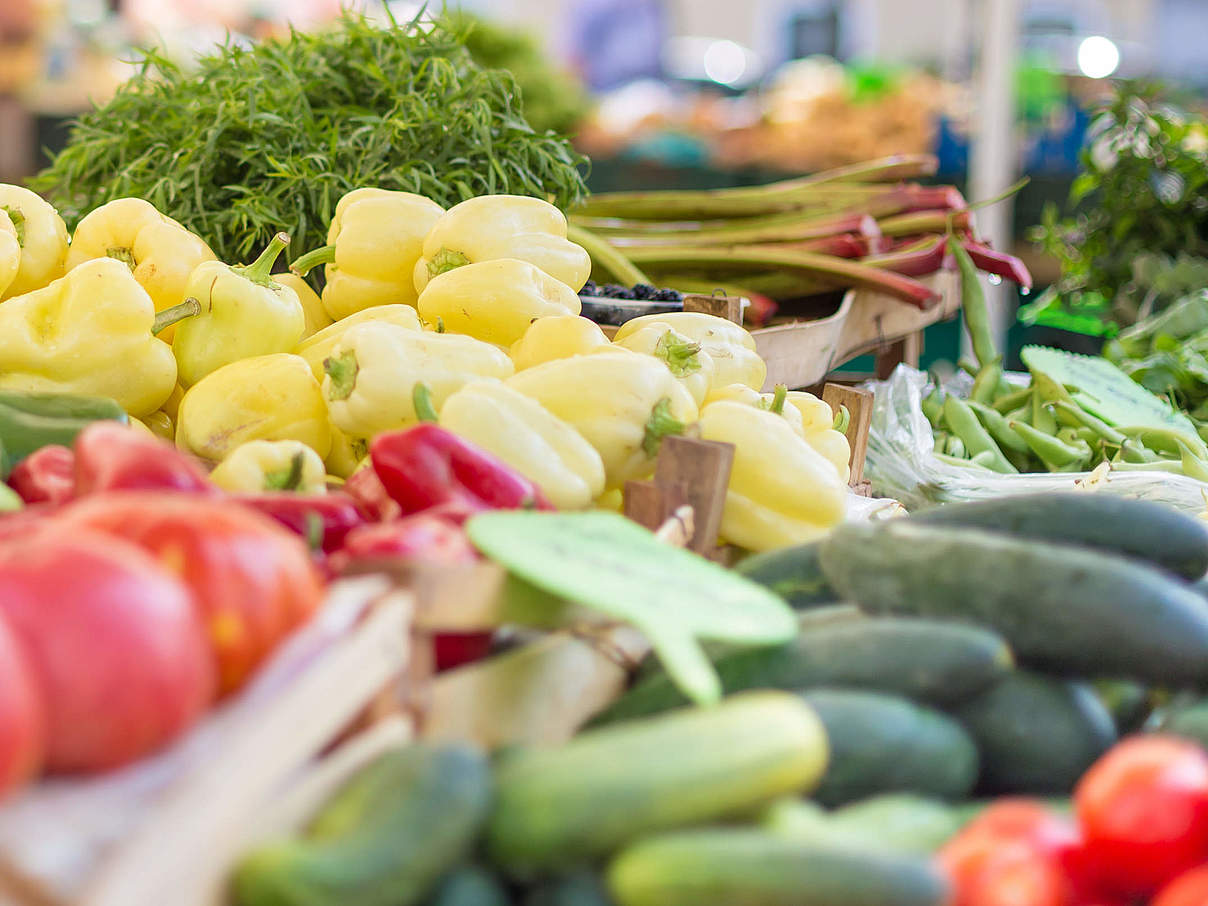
[
  {"x": 699, "y": 471},
  {"x": 859, "y": 407},
  {"x": 728, "y": 307}
]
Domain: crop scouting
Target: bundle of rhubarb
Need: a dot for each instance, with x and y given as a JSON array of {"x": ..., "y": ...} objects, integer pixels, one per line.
[{"x": 860, "y": 226}]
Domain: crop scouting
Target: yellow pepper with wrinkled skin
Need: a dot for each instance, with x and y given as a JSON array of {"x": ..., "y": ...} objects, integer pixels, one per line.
[
  {"x": 269, "y": 397},
  {"x": 691, "y": 365},
  {"x": 271, "y": 465},
  {"x": 88, "y": 332},
  {"x": 557, "y": 337},
  {"x": 741, "y": 393},
  {"x": 312, "y": 306},
  {"x": 623, "y": 404},
  {"x": 729, "y": 345},
  {"x": 316, "y": 349},
  {"x": 781, "y": 491},
  {"x": 372, "y": 373},
  {"x": 817, "y": 424},
  {"x": 374, "y": 241},
  {"x": 529, "y": 438},
  {"x": 10, "y": 252},
  {"x": 494, "y": 301},
  {"x": 346, "y": 454},
  {"x": 503, "y": 226},
  {"x": 244, "y": 313},
  {"x": 159, "y": 251},
  {"x": 42, "y": 236}
]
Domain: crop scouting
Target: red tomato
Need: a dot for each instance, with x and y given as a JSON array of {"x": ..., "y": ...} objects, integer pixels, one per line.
[
  {"x": 1144, "y": 812},
  {"x": 1188, "y": 889},
  {"x": 1015, "y": 874}
]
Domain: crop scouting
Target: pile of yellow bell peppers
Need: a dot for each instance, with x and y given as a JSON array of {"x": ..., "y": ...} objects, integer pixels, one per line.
[{"x": 468, "y": 317}]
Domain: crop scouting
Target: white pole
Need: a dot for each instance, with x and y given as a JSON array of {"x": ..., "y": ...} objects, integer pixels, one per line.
[{"x": 992, "y": 154}]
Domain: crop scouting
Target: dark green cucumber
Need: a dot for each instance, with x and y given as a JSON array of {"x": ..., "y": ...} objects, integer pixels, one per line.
[
  {"x": 793, "y": 573},
  {"x": 885, "y": 744},
  {"x": 582, "y": 888},
  {"x": 1127, "y": 702},
  {"x": 1140, "y": 529},
  {"x": 1063, "y": 609},
  {"x": 751, "y": 867},
  {"x": 1036, "y": 734},
  {"x": 924, "y": 659},
  {"x": 469, "y": 885}
]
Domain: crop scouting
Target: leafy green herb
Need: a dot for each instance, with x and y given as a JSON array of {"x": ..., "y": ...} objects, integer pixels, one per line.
[{"x": 268, "y": 138}]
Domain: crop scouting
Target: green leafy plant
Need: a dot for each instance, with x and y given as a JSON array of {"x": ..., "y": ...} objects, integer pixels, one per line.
[{"x": 255, "y": 140}]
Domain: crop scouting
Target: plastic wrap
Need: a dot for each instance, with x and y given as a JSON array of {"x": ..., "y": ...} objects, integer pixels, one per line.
[{"x": 900, "y": 462}]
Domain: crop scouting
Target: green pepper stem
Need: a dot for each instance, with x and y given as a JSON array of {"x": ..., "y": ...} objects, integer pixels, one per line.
[
  {"x": 287, "y": 479},
  {"x": 446, "y": 260},
  {"x": 342, "y": 371},
  {"x": 260, "y": 271},
  {"x": 169, "y": 316},
  {"x": 421, "y": 402},
  {"x": 661, "y": 423},
  {"x": 123, "y": 255},
  {"x": 842, "y": 419},
  {"x": 324, "y": 254},
  {"x": 18, "y": 219},
  {"x": 680, "y": 353},
  {"x": 780, "y": 393}
]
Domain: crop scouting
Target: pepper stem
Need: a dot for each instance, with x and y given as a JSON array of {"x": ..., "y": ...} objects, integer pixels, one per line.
[
  {"x": 18, "y": 219},
  {"x": 842, "y": 419},
  {"x": 324, "y": 254},
  {"x": 260, "y": 271},
  {"x": 445, "y": 260},
  {"x": 123, "y": 255},
  {"x": 342, "y": 371},
  {"x": 421, "y": 402},
  {"x": 779, "y": 395},
  {"x": 169, "y": 316},
  {"x": 661, "y": 423},
  {"x": 287, "y": 479},
  {"x": 680, "y": 353}
]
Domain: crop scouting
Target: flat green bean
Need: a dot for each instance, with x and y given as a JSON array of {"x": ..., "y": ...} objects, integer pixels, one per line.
[{"x": 964, "y": 423}]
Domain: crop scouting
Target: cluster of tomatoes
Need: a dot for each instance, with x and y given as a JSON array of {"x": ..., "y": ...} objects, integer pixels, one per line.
[{"x": 1138, "y": 835}]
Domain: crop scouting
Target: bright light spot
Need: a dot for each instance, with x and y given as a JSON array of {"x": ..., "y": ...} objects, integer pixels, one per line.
[
  {"x": 725, "y": 62},
  {"x": 1098, "y": 57}
]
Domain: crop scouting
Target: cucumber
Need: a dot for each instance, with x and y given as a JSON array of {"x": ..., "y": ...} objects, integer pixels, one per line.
[
  {"x": 1036, "y": 734},
  {"x": 923, "y": 659},
  {"x": 900, "y": 822},
  {"x": 752, "y": 867},
  {"x": 469, "y": 885},
  {"x": 385, "y": 839},
  {"x": 793, "y": 573},
  {"x": 1141, "y": 529},
  {"x": 582, "y": 888},
  {"x": 564, "y": 806},
  {"x": 882, "y": 743},
  {"x": 1127, "y": 702},
  {"x": 1062, "y": 609}
]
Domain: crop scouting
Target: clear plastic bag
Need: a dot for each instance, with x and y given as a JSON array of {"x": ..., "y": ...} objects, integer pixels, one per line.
[{"x": 900, "y": 462}]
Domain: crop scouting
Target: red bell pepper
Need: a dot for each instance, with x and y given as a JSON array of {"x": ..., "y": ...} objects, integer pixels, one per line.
[
  {"x": 45, "y": 476},
  {"x": 429, "y": 536},
  {"x": 366, "y": 488},
  {"x": 427, "y": 466},
  {"x": 324, "y": 520},
  {"x": 111, "y": 457}
]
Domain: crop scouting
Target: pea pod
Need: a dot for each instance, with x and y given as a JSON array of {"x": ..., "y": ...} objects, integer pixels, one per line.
[
  {"x": 1013, "y": 400},
  {"x": 1133, "y": 451},
  {"x": 962, "y": 462},
  {"x": 1042, "y": 417},
  {"x": 933, "y": 407},
  {"x": 940, "y": 443},
  {"x": 1165, "y": 440},
  {"x": 1084, "y": 418},
  {"x": 1174, "y": 466},
  {"x": 1193, "y": 466},
  {"x": 965, "y": 425},
  {"x": 973, "y": 305},
  {"x": 996, "y": 423},
  {"x": 985, "y": 385},
  {"x": 968, "y": 366},
  {"x": 1051, "y": 451},
  {"x": 955, "y": 447}
]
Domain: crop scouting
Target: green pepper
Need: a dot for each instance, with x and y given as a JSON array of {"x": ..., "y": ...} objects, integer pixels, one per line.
[
  {"x": 964, "y": 424},
  {"x": 63, "y": 405},
  {"x": 30, "y": 421}
]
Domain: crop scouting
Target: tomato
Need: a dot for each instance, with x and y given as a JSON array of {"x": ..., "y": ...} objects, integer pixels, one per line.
[
  {"x": 1143, "y": 808},
  {"x": 1188, "y": 889},
  {"x": 1016, "y": 875}
]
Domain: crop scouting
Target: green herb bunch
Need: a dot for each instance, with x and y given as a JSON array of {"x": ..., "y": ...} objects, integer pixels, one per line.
[
  {"x": 1143, "y": 190},
  {"x": 255, "y": 140}
]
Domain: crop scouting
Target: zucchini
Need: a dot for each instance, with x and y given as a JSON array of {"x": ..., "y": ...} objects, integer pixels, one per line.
[
  {"x": 469, "y": 885},
  {"x": 582, "y": 888},
  {"x": 1141, "y": 529},
  {"x": 752, "y": 867},
  {"x": 924, "y": 659},
  {"x": 385, "y": 839},
  {"x": 793, "y": 573},
  {"x": 900, "y": 822},
  {"x": 563, "y": 806},
  {"x": 1036, "y": 734},
  {"x": 882, "y": 743},
  {"x": 1063, "y": 609}
]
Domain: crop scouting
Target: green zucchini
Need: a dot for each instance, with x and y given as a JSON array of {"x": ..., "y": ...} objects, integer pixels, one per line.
[
  {"x": 1036, "y": 734},
  {"x": 385, "y": 839},
  {"x": 563, "y": 806},
  {"x": 883, "y": 744},
  {"x": 752, "y": 867},
  {"x": 1063, "y": 609},
  {"x": 900, "y": 822},
  {"x": 793, "y": 573},
  {"x": 1141, "y": 529},
  {"x": 469, "y": 885},
  {"x": 930, "y": 660}
]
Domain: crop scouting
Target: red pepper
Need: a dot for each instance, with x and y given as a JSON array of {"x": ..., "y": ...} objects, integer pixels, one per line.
[
  {"x": 427, "y": 466},
  {"x": 366, "y": 488},
  {"x": 430, "y": 536},
  {"x": 324, "y": 520},
  {"x": 45, "y": 476},
  {"x": 111, "y": 457}
]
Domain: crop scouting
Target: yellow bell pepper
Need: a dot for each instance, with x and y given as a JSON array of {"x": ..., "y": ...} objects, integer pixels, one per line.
[
  {"x": 346, "y": 453},
  {"x": 623, "y": 403},
  {"x": 781, "y": 491},
  {"x": 817, "y": 423},
  {"x": 494, "y": 301},
  {"x": 316, "y": 349},
  {"x": 271, "y": 465},
  {"x": 685, "y": 358},
  {"x": 312, "y": 306},
  {"x": 556, "y": 337},
  {"x": 529, "y": 438},
  {"x": 159, "y": 251},
  {"x": 10, "y": 252},
  {"x": 42, "y": 236},
  {"x": 373, "y": 373},
  {"x": 160, "y": 424},
  {"x": 269, "y": 397},
  {"x": 240, "y": 312},
  {"x": 88, "y": 332},
  {"x": 772, "y": 402},
  {"x": 729, "y": 345},
  {"x": 171, "y": 405},
  {"x": 503, "y": 226}
]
